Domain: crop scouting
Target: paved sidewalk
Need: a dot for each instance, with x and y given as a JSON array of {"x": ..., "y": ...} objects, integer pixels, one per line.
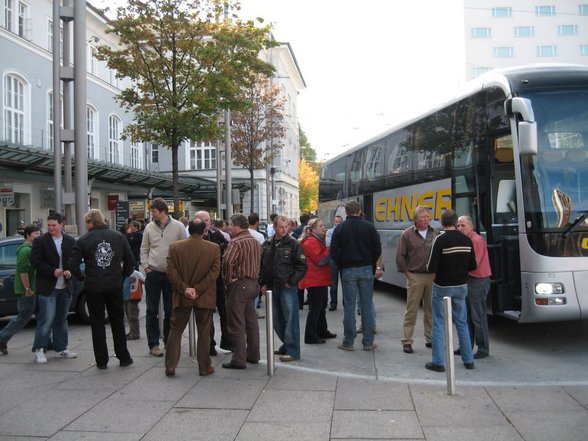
[{"x": 327, "y": 395}]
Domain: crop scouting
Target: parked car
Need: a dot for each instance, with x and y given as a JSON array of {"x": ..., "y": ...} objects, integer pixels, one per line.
[{"x": 8, "y": 300}]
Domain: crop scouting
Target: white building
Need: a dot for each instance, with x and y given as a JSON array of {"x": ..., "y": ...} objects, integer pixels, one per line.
[
  {"x": 502, "y": 34},
  {"x": 117, "y": 169}
]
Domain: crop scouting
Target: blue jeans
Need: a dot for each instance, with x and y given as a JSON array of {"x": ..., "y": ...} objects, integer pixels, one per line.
[
  {"x": 358, "y": 283},
  {"x": 459, "y": 316},
  {"x": 286, "y": 319},
  {"x": 477, "y": 315},
  {"x": 53, "y": 309},
  {"x": 334, "y": 282},
  {"x": 157, "y": 283},
  {"x": 26, "y": 308}
]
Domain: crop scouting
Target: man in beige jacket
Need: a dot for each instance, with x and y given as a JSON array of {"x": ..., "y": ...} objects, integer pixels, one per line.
[{"x": 193, "y": 266}]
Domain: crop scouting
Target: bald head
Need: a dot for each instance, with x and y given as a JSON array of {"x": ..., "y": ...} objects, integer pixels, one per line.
[
  {"x": 204, "y": 216},
  {"x": 465, "y": 224}
]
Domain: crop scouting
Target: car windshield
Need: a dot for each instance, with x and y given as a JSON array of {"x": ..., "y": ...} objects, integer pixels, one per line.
[{"x": 8, "y": 254}]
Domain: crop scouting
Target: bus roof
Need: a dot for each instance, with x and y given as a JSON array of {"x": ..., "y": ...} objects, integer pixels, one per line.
[{"x": 511, "y": 80}]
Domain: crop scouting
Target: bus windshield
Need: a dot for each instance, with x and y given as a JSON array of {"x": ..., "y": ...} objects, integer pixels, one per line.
[{"x": 555, "y": 181}]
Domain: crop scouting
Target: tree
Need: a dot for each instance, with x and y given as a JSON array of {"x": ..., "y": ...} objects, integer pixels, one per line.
[
  {"x": 308, "y": 183},
  {"x": 186, "y": 63},
  {"x": 257, "y": 131},
  {"x": 306, "y": 150}
]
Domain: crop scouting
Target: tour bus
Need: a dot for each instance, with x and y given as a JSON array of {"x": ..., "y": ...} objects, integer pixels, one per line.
[{"x": 511, "y": 152}]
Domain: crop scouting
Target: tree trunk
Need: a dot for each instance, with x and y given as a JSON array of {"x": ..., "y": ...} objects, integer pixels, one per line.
[{"x": 175, "y": 180}]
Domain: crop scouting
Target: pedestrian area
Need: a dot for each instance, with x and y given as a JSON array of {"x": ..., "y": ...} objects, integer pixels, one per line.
[{"x": 328, "y": 395}]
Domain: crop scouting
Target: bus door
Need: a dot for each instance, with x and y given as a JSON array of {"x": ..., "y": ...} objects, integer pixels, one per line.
[{"x": 503, "y": 237}]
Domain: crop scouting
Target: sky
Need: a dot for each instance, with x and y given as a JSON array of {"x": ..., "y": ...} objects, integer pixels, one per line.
[{"x": 368, "y": 65}]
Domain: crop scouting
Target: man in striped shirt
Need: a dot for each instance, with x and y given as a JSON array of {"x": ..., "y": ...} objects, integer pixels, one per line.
[
  {"x": 241, "y": 264},
  {"x": 452, "y": 257}
]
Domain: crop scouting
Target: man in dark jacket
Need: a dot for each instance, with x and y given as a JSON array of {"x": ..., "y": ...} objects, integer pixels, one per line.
[
  {"x": 452, "y": 257},
  {"x": 356, "y": 248},
  {"x": 49, "y": 256},
  {"x": 108, "y": 259},
  {"x": 283, "y": 264}
]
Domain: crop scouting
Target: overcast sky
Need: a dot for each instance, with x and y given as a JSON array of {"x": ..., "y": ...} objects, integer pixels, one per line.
[{"x": 367, "y": 64}]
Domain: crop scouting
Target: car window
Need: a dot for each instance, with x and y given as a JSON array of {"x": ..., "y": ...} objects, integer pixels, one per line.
[{"x": 8, "y": 255}]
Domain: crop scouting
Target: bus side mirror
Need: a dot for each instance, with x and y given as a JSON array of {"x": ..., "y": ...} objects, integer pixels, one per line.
[
  {"x": 527, "y": 127},
  {"x": 528, "y": 138}
]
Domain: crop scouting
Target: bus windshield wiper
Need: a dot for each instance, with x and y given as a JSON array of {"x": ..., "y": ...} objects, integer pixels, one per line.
[{"x": 581, "y": 218}]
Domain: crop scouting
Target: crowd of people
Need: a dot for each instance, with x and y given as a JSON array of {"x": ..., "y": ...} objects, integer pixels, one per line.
[{"x": 202, "y": 266}]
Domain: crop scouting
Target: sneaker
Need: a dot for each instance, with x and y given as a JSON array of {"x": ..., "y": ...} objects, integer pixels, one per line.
[
  {"x": 3, "y": 348},
  {"x": 155, "y": 351},
  {"x": 40, "y": 356},
  {"x": 67, "y": 354},
  {"x": 344, "y": 347},
  {"x": 259, "y": 313},
  {"x": 286, "y": 358},
  {"x": 370, "y": 347}
]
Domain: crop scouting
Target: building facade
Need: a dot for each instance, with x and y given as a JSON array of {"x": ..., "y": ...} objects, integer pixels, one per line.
[
  {"x": 118, "y": 170},
  {"x": 503, "y": 34}
]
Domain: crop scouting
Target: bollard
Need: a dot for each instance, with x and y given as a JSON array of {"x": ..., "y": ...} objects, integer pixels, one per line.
[
  {"x": 269, "y": 332},
  {"x": 449, "y": 365},
  {"x": 192, "y": 334}
]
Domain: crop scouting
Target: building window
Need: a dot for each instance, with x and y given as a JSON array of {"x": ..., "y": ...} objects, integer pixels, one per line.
[
  {"x": 567, "y": 30},
  {"x": 503, "y": 52},
  {"x": 50, "y": 38},
  {"x": 137, "y": 155},
  {"x": 92, "y": 60},
  {"x": 546, "y": 51},
  {"x": 584, "y": 49},
  {"x": 502, "y": 12},
  {"x": 92, "y": 131},
  {"x": 113, "y": 79},
  {"x": 477, "y": 71},
  {"x": 545, "y": 11},
  {"x": 8, "y": 14},
  {"x": 23, "y": 21},
  {"x": 524, "y": 31},
  {"x": 114, "y": 141},
  {"x": 154, "y": 153},
  {"x": 202, "y": 156},
  {"x": 50, "y": 137},
  {"x": 583, "y": 9},
  {"x": 14, "y": 109},
  {"x": 481, "y": 32}
]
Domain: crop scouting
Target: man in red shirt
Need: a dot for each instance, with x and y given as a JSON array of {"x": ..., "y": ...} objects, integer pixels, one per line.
[{"x": 478, "y": 288}]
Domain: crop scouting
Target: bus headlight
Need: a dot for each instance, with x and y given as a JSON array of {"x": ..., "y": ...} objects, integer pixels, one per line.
[{"x": 549, "y": 288}]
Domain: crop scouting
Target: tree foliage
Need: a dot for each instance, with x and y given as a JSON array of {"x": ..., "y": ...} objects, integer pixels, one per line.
[
  {"x": 306, "y": 150},
  {"x": 186, "y": 63},
  {"x": 308, "y": 184},
  {"x": 257, "y": 131}
]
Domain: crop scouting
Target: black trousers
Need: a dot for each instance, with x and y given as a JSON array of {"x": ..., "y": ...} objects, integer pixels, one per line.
[
  {"x": 316, "y": 320},
  {"x": 113, "y": 302},
  {"x": 221, "y": 307}
]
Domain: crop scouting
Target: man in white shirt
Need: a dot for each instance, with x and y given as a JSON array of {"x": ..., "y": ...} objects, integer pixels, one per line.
[
  {"x": 253, "y": 225},
  {"x": 270, "y": 227}
]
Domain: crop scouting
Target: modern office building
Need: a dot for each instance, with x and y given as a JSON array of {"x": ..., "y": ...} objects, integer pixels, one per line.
[
  {"x": 503, "y": 34},
  {"x": 118, "y": 170}
]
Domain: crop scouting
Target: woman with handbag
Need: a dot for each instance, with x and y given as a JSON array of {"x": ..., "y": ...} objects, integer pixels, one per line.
[{"x": 316, "y": 280}]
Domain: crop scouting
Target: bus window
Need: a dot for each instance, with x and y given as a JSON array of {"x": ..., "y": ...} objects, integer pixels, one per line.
[
  {"x": 506, "y": 202},
  {"x": 374, "y": 163}
]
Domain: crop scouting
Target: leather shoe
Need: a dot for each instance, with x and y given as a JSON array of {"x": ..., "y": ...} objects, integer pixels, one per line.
[
  {"x": 434, "y": 367},
  {"x": 479, "y": 355},
  {"x": 318, "y": 341},
  {"x": 332, "y": 308},
  {"x": 125, "y": 363},
  {"x": 457, "y": 352},
  {"x": 279, "y": 352},
  {"x": 213, "y": 351},
  {"x": 429, "y": 345},
  {"x": 227, "y": 347},
  {"x": 170, "y": 372},
  {"x": 469, "y": 365},
  {"x": 233, "y": 366},
  {"x": 328, "y": 335},
  {"x": 207, "y": 372},
  {"x": 407, "y": 348},
  {"x": 102, "y": 366}
]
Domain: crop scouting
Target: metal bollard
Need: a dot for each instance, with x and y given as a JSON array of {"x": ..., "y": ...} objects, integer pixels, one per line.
[
  {"x": 192, "y": 334},
  {"x": 160, "y": 314},
  {"x": 269, "y": 332},
  {"x": 449, "y": 365}
]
